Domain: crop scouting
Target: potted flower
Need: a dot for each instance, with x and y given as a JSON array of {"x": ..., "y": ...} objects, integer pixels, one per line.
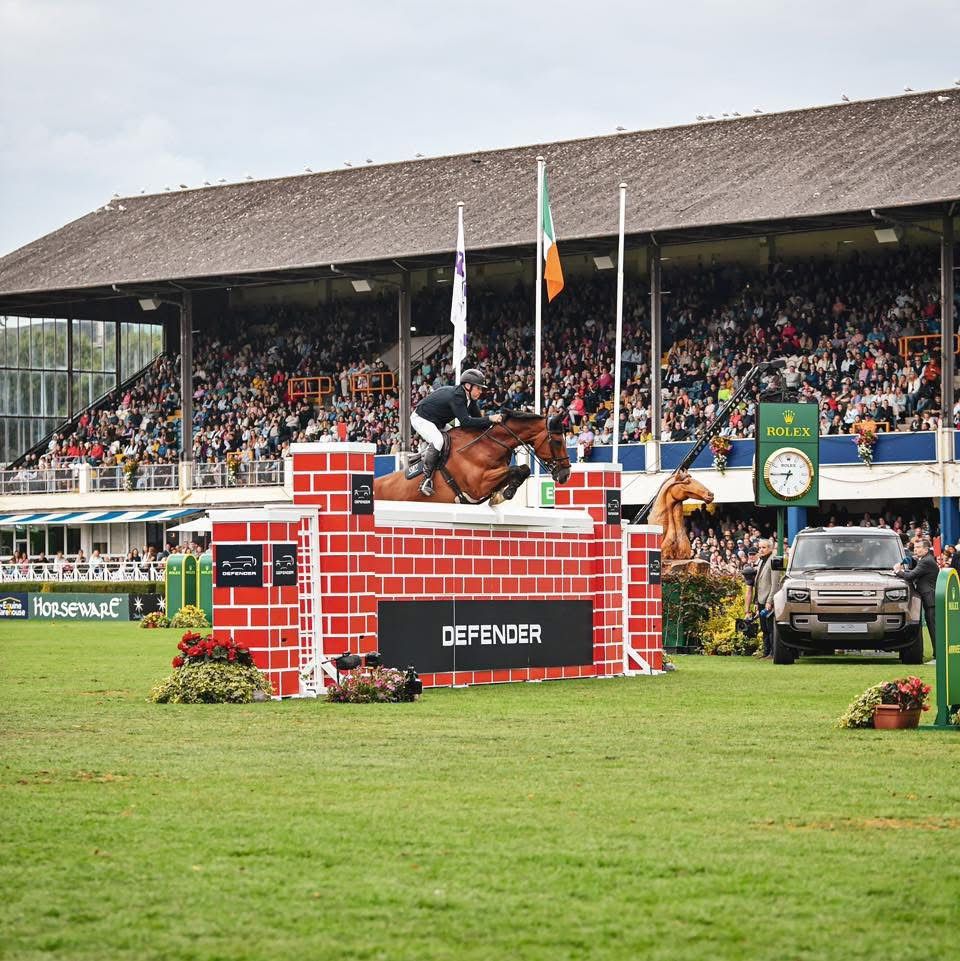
[
  {"x": 866, "y": 439},
  {"x": 721, "y": 447},
  {"x": 901, "y": 703},
  {"x": 233, "y": 467},
  {"x": 130, "y": 469}
]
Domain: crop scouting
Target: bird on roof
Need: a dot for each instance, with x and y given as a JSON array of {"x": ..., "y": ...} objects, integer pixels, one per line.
[
  {"x": 699, "y": 116},
  {"x": 757, "y": 110},
  {"x": 206, "y": 183},
  {"x": 183, "y": 187},
  {"x": 347, "y": 163},
  {"x": 726, "y": 115},
  {"x": 710, "y": 116},
  {"x": 116, "y": 195},
  {"x": 369, "y": 161},
  {"x": 143, "y": 191},
  {"x": 908, "y": 89},
  {"x": 621, "y": 128},
  {"x": 844, "y": 98},
  {"x": 166, "y": 188},
  {"x": 222, "y": 180},
  {"x": 308, "y": 170},
  {"x": 248, "y": 177},
  {"x": 419, "y": 155},
  {"x": 735, "y": 113}
]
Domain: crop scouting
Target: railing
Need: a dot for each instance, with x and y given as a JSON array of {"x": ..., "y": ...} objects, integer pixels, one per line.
[
  {"x": 257, "y": 473},
  {"x": 147, "y": 477},
  {"x": 373, "y": 382},
  {"x": 59, "y": 480},
  {"x": 305, "y": 388},
  {"x": 920, "y": 342},
  {"x": 83, "y": 571}
]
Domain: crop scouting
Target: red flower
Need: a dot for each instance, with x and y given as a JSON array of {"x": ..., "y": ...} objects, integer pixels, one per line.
[
  {"x": 195, "y": 651},
  {"x": 182, "y": 646},
  {"x": 178, "y": 662},
  {"x": 231, "y": 656}
]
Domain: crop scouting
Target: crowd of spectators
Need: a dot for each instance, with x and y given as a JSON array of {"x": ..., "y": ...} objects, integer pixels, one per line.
[{"x": 839, "y": 323}]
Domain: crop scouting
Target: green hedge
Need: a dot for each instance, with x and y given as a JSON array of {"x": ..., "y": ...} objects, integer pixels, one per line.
[{"x": 84, "y": 587}]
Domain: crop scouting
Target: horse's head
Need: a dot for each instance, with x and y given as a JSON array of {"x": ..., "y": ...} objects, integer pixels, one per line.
[
  {"x": 547, "y": 438},
  {"x": 559, "y": 460},
  {"x": 685, "y": 487}
]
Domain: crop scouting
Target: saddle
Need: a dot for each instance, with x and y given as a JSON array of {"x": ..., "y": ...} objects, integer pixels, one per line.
[{"x": 416, "y": 467}]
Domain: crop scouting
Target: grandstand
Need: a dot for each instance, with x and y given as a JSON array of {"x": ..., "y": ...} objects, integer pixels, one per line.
[{"x": 819, "y": 234}]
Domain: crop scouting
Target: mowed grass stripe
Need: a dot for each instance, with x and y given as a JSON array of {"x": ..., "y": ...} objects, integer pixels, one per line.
[{"x": 715, "y": 812}]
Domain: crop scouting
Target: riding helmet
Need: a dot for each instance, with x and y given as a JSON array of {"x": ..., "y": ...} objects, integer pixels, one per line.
[{"x": 475, "y": 377}]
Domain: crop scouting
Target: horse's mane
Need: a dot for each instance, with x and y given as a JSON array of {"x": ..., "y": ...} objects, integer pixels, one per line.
[{"x": 521, "y": 414}]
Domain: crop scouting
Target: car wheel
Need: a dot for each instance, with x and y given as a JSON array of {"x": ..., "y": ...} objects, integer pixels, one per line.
[
  {"x": 781, "y": 653},
  {"x": 914, "y": 653}
]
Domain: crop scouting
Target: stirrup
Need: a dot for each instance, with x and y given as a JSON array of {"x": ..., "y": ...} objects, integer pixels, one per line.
[{"x": 426, "y": 486}]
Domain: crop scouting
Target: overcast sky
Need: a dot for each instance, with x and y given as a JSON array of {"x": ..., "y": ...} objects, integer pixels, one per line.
[{"x": 105, "y": 96}]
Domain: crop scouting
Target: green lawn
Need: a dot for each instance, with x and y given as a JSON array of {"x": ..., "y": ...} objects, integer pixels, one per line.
[{"x": 711, "y": 813}]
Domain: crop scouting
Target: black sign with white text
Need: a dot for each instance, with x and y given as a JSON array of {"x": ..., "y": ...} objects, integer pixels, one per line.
[
  {"x": 239, "y": 565},
  {"x": 613, "y": 507},
  {"x": 361, "y": 493},
  {"x": 440, "y": 636},
  {"x": 143, "y": 604},
  {"x": 653, "y": 568},
  {"x": 284, "y": 565}
]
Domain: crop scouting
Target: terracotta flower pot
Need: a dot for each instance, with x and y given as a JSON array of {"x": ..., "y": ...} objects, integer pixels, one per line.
[{"x": 887, "y": 717}]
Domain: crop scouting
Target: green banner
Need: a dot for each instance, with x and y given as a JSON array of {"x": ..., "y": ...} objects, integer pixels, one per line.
[
  {"x": 947, "y": 647},
  {"x": 79, "y": 607},
  {"x": 787, "y": 465}
]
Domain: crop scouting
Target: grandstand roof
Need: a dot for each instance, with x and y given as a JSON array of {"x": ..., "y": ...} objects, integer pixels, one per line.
[{"x": 795, "y": 170}]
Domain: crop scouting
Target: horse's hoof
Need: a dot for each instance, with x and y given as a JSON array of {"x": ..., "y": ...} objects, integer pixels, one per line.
[{"x": 496, "y": 499}]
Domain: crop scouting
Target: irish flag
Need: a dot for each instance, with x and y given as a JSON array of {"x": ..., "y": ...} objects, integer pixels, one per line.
[{"x": 552, "y": 272}]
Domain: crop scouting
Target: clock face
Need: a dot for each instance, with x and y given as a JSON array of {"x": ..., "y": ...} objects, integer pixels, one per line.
[{"x": 789, "y": 473}]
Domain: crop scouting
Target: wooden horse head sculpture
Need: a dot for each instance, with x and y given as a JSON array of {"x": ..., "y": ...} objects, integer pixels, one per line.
[{"x": 668, "y": 513}]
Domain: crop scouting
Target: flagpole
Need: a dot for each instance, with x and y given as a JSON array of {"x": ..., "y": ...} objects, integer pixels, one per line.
[
  {"x": 619, "y": 340},
  {"x": 456, "y": 376},
  {"x": 539, "y": 301}
]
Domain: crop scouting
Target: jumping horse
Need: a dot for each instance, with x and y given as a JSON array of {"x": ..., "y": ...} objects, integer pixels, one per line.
[{"x": 478, "y": 466}]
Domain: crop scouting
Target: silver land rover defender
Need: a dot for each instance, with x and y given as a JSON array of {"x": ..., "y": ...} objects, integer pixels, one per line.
[{"x": 839, "y": 593}]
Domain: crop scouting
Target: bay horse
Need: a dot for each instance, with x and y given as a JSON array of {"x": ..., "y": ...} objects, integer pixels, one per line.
[
  {"x": 668, "y": 513},
  {"x": 479, "y": 462}
]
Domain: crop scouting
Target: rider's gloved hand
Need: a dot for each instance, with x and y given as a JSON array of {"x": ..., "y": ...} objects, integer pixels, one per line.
[{"x": 496, "y": 418}]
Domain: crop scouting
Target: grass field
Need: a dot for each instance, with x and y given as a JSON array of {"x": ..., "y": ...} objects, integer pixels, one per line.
[{"x": 711, "y": 813}]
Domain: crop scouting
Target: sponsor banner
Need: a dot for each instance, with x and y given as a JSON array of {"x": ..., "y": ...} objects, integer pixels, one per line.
[
  {"x": 613, "y": 506},
  {"x": 79, "y": 607},
  {"x": 361, "y": 489},
  {"x": 239, "y": 565},
  {"x": 14, "y": 605},
  {"x": 284, "y": 565},
  {"x": 653, "y": 567},
  {"x": 441, "y": 636},
  {"x": 143, "y": 604}
]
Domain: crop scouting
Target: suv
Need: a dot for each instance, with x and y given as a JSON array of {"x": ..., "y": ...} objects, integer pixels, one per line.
[{"x": 840, "y": 593}]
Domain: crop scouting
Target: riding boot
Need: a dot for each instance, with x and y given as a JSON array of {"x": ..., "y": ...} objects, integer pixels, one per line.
[{"x": 430, "y": 459}]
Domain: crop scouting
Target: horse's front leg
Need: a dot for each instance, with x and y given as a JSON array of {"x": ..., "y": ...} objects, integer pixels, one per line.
[{"x": 507, "y": 488}]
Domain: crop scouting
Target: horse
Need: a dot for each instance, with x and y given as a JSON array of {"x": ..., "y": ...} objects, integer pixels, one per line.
[
  {"x": 668, "y": 512},
  {"x": 479, "y": 462}
]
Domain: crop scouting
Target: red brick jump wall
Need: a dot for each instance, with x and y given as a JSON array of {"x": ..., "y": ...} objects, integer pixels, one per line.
[{"x": 642, "y": 601}]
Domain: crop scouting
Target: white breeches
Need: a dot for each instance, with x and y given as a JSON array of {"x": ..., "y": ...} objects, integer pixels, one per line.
[{"x": 429, "y": 432}]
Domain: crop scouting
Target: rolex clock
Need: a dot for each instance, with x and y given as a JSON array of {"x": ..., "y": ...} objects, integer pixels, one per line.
[
  {"x": 788, "y": 473},
  {"x": 787, "y": 455}
]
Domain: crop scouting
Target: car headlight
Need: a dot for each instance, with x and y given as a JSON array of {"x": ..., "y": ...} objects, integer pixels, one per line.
[
  {"x": 896, "y": 594},
  {"x": 799, "y": 594}
]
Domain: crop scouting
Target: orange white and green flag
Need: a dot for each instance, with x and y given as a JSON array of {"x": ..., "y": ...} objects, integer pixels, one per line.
[{"x": 552, "y": 272}]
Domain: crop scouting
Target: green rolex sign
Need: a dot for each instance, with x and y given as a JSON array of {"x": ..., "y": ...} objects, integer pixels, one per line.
[
  {"x": 947, "y": 647},
  {"x": 787, "y": 465}
]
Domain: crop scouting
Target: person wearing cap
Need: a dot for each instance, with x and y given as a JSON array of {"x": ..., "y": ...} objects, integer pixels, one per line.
[{"x": 444, "y": 405}]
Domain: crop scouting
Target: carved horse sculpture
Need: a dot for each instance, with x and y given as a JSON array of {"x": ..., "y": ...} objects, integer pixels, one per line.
[
  {"x": 668, "y": 513},
  {"x": 479, "y": 462}
]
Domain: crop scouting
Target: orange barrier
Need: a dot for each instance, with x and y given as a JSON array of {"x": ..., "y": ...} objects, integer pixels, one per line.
[
  {"x": 308, "y": 388},
  {"x": 921, "y": 342},
  {"x": 372, "y": 382}
]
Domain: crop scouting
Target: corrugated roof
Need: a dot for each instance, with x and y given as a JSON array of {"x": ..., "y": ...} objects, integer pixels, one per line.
[{"x": 893, "y": 152}]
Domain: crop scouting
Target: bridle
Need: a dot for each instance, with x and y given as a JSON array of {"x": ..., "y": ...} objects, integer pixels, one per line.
[{"x": 556, "y": 441}]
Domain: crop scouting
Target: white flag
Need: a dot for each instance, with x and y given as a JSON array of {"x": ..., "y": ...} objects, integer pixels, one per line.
[{"x": 458, "y": 306}]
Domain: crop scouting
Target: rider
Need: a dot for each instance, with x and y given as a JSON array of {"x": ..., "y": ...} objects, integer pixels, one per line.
[{"x": 439, "y": 408}]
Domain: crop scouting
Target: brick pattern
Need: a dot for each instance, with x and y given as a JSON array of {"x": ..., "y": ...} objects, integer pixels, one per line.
[
  {"x": 642, "y": 603},
  {"x": 266, "y": 619},
  {"x": 347, "y": 563}
]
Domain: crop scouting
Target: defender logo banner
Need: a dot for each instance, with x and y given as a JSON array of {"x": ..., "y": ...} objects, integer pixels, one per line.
[{"x": 441, "y": 636}]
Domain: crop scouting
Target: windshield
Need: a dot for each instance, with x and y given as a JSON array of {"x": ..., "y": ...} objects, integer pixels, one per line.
[{"x": 846, "y": 553}]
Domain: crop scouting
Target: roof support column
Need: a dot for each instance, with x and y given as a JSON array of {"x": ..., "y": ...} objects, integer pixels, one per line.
[
  {"x": 118, "y": 354},
  {"x": 186, "y": 391},
  {"x": 403, "y": 375},
  {"x": 70, "y": 408},
  {"x": 947, "y": 324},
  {"x": 656, "y": 348}
]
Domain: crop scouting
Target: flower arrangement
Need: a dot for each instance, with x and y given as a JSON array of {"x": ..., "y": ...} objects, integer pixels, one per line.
[
  {"x": 908, "y": 693},
  {"x": 212, "y": 670},
  {"x": 373, "y": 685},
  {"x": 721, "y": 447},
  {"x": 190, "y": 616},
  {"x": 234, "y": 461},
  {"x": 866, "y": 439},
  {"x": 130, "y": 469},
  {"x": 155, "y": 619}
]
